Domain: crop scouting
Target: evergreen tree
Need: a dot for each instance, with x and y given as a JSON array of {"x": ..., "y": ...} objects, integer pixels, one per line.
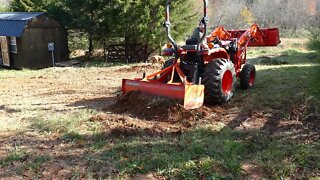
[
  {"x": 143, "y": 21},
  {"x": 3, "y": 9},
  {"x": 27, "y": 6}
]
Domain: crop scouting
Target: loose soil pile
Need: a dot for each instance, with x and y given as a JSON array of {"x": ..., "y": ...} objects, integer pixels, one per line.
[{"x": 149, "y": 114}]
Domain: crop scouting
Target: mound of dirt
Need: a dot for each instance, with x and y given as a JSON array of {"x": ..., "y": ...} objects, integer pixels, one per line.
[
  {"x": 149, "y": 115},
  {"x": 154, "y": 108}
]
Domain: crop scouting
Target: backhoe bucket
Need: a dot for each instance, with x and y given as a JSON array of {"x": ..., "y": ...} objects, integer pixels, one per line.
[{"x": 192, "y": 95}]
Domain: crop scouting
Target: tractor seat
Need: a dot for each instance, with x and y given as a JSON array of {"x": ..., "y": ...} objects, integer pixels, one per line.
[
  {"x": 189, "y": 47},
  {"x": 191, "y": 44}
]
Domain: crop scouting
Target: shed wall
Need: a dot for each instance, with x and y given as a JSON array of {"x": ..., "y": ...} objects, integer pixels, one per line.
[{"x": 33, "y": 45}]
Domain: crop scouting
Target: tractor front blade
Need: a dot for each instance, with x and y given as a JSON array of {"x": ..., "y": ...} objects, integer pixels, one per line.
[{"x": 192, "y": 95}]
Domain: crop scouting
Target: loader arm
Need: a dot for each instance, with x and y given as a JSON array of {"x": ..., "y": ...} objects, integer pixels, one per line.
[{"x": 252, "y": 34}]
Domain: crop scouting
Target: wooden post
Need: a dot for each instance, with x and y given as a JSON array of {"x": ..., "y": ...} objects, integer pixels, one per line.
[{"x": 4, "y": 43}]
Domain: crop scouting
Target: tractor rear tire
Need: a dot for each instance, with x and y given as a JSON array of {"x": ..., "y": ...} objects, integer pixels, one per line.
[
  {"x": 219, "y": 79},
  {"x": 247, "y": 76}
]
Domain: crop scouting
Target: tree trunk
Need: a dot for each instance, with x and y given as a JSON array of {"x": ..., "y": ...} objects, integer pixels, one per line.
[
  {"x": 90, "y": 39},
  {"x": 105, "y": 50}
]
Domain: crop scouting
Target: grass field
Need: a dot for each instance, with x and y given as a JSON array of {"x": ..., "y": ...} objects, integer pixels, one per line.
[{"x": 63, "y": 123}]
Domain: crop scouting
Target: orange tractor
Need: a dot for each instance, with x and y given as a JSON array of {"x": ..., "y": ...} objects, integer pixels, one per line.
[{"x": 198, "y": 75}]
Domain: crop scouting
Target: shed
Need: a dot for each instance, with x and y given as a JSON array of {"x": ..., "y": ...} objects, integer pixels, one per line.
[{"x": 26, "y": 38}]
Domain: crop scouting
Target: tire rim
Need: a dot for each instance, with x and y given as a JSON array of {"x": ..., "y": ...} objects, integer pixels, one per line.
[
  {"x": 227, "y": 82},
  {"x": 252, "y": 78}
]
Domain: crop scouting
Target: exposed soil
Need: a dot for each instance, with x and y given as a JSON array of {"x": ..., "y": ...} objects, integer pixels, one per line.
[{"x": 149, "y": 114}]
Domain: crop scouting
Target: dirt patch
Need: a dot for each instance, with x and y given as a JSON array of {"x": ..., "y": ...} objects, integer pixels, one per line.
[
  {"x": 149, "y": 115},
  {"x": 303, "y": 121},
  {"x": 254, "y": 171},
  {"x": 120, "y": 126},
  {"x": 150, "y": 107}
]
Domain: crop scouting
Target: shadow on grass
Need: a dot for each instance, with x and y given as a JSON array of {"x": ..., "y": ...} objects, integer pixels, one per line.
[
  {"x": 96, "y": 104},
  {"x": 4, "y": 68}
]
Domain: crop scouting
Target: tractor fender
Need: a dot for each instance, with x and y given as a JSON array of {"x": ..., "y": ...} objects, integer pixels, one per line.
[{"x": 215, "y": 53}]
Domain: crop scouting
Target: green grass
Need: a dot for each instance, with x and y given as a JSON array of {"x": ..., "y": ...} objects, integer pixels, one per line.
[
  {"x": 314, "y": 40},
  {"x": 99, "y": 62},
  {"x": 15, "y": 155},
  {"x": 289, "y": 78},
  {"x": 33, "y": 166},
  {"x": 207, "y": 153},
  {"x": 66, "y": 124}
]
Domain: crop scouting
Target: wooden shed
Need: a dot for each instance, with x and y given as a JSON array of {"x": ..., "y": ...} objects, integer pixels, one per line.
[{"x": 31, "y": 40}]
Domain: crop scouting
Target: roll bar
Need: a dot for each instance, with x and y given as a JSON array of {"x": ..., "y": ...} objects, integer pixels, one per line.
[{"x": 167, "y": 25}]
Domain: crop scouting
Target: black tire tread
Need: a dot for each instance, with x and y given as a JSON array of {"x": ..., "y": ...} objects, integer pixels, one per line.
[
  {"x": 212, "y": 80},
  {"x": 245, "y": 75}
]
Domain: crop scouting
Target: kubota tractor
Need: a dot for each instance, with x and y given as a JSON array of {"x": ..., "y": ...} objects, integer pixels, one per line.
[{"x": 199, "y": 75}]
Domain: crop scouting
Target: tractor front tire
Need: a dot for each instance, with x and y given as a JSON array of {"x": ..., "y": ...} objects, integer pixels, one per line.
[
  {"x": 247, "y": 76},
  {"x": 219, "y": 79}
]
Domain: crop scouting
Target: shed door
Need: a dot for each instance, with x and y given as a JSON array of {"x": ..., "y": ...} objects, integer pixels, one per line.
[{"x": 5, "y": 50}]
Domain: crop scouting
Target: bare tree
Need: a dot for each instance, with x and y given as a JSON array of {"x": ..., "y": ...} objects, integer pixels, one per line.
[{"x": 285, "y": 14}]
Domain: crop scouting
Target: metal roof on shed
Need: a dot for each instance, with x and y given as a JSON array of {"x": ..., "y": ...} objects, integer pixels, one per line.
[{"x": 13, "y": 23}]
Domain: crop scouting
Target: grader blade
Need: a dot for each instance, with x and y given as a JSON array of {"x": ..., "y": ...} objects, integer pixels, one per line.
[{"x": 192, "y": 95}]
